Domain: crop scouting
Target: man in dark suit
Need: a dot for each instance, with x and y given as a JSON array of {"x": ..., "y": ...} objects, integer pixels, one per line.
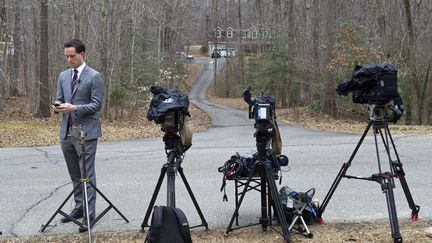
[{"x": 80, "y": 91}]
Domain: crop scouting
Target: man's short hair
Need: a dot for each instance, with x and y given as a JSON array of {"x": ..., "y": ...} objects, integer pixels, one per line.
[{"x": 77, "y": 44}]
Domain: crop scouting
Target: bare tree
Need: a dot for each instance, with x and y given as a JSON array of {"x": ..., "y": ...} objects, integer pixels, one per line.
[
  {"x": 316, "y": 70},
  {"x": 44, "y": 89},
  {"x": 3, "y": 40},
  {"x": 130, "y": 41},
  {"x": 329, "y": 94}
]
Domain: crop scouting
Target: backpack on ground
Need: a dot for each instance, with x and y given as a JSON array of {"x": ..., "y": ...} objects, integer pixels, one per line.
[
  {"x": 168, "y": 224},
  {"x": 299, "y": 203}
]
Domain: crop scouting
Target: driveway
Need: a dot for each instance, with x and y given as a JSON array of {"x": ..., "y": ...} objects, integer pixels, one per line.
[{"x": 35, "y": 179}]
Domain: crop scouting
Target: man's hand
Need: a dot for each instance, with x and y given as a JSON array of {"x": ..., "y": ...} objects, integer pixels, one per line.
[{"x": 65, "y": 107}]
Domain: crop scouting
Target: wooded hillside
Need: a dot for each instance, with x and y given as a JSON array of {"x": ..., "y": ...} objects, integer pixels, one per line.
[{"x": 297, "y": 50}]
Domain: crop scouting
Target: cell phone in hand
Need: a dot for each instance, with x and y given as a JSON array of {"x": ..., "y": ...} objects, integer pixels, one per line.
[{"x": 56, "y": 105}]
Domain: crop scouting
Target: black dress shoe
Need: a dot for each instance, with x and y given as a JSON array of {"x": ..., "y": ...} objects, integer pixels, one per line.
[
  {"x": 84, "y": 228},
  {"x": 76, "y": 214}
]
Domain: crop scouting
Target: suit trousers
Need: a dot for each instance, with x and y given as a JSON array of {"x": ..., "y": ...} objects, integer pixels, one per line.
[{"x": 72, "y": 151}]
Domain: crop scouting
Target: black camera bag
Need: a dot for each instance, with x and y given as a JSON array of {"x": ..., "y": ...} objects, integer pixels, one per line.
[
  {"x": 376, "y": 83},
  {"x": 168, "y": 224},
  {"x": 386, "y": 87}
]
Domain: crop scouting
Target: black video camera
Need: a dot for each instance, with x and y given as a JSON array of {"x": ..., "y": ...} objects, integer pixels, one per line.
[
  {"x": 372, "y": 84},
  {"x": 375, "y": 84},
  {"x": 261, "y": 108},
  {"x": 168, "y": 107}
]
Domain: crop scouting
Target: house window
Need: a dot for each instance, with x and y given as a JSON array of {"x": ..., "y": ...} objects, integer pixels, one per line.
[
  {"x": 229, "y": 34},
  {"x": 254, "y": 34},
  {"x": 218, "y": 33},
  {"x": 244, "y": 34}
]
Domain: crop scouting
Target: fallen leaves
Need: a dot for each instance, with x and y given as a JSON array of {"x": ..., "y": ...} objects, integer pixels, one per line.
[
  {"x": 21, "y": 129},
  {"x": 371, "y": 231},
  {"x": 302, "y": 117}
]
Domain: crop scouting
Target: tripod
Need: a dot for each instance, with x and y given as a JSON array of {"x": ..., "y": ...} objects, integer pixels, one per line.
[
  {"x": 263, "y": 164},
  {"x": 378, "y": 121},
  {"x": 174, "y": 150},
  {"x": 83, "y": 182}
]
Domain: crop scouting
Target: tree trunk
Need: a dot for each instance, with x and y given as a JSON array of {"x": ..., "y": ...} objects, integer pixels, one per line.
[
  {"x": 240, "y": 48},
  {"x": 3, "y": 34},
  {"x": 316, "y": 70},
  {"x": 329, "y": 91},
  {"x": 103, "y": 49},
  {"x": 215, "y": 9},
  {"x": 381, "y": 20},
  {"x": 14, "y": 57},
  {"x": 427, "y": 94},
  {"x": 259, "y": 10},
  {"x": 44, "y": 96},
  {"x": 414, "y": 105}
]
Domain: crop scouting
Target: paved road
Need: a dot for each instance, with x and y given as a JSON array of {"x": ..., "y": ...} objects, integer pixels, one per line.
[{"x": 35, "y": 179}]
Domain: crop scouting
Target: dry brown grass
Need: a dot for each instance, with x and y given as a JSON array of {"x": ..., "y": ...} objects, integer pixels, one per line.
[
  {"x": 336, "y": 232},
  {"x": 18, "y": 128},
  {"x": 302, "y": 117}
]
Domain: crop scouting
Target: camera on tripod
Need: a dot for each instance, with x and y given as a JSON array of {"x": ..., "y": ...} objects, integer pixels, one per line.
[
  {"x": 376, "y": 85},
  {"x": 261, "y": 108},
  {"x": 169, "y": 108},
  {"x": 262, "y": 168}
]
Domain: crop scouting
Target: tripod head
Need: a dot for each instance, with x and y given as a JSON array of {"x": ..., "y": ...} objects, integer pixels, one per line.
[
  {"x": 173, "y": 143},
  {"x": 171, "y": 125},
  {"x": 263, "y": 136},
  {"x": 382, "y": 113}
]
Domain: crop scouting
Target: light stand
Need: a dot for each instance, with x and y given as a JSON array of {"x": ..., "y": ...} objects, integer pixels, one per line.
[
  {"x": 83, "y": 182},
  {"x": 378, "y": 121}
]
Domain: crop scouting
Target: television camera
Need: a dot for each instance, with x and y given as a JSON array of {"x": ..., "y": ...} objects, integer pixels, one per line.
[
  {"x": 376, "y": 85},
  {"x": 262, "y": 110},
  {"x": 169, "y": 108}
]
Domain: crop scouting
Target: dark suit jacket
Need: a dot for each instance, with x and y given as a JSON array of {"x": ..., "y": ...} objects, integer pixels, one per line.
[{"x": 87, "y": 97}]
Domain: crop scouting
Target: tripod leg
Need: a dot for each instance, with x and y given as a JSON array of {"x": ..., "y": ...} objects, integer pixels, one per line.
[
  {"x": 264, "y": 220},
  {"x": 387, "y": 186},
  {"x": 203, "y": 221},
  {"x": 342, "y": 172},
  {"x": 400, "y": 173},
  {"x": 61, "y": 206},
  {"x": 246, "y": 186},
  {"x": 277, "y": 206},
  {"x": 153, "y": 199},
  {"x": 171, "y": 187}
]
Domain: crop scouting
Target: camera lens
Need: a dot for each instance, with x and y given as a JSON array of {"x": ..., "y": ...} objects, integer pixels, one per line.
[{"x": 283, "y": 160}]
